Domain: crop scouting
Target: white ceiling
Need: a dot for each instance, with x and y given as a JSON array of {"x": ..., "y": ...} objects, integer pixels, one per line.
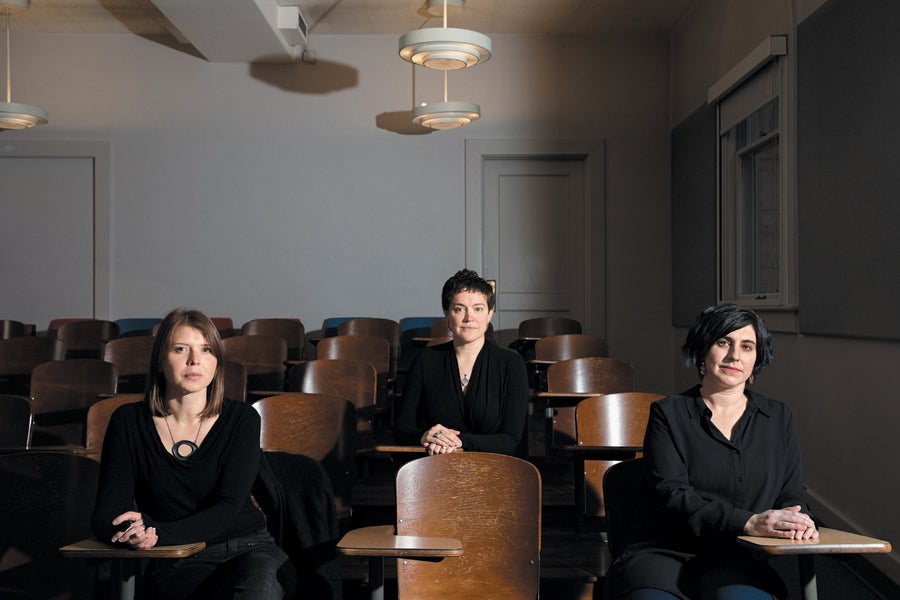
[{"x": 221, "y": 29}]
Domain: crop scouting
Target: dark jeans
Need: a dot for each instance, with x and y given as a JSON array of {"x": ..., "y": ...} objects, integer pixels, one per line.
[{"x": 251, "y": 567}]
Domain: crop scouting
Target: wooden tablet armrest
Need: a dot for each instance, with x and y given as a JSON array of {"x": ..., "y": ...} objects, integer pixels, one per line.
[
  {"x": 380, "y": 541},
  {"x": 399, "y": 448},
  {"x": 94, "y": 548},
  {"x": 831, "y": 541}
]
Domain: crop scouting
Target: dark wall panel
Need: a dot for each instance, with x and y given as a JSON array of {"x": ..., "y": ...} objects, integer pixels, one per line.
[
  {"x": 693, "y": 215},
  {"x": 848, "y": 59}
]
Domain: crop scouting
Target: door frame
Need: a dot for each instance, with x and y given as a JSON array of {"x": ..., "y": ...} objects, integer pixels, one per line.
[
  {"x": 99, "y": 153},
  {"x": 592, "y": 152}
]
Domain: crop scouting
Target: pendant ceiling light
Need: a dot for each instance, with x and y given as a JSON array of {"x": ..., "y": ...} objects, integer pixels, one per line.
[
  {"x": 446, "y": 114},
  {"x": 12, "y": 114},
  {"x": 445, "y": 48}
]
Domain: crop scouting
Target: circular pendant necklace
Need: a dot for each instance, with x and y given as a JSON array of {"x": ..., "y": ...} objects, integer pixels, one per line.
[{"x": 177, "y": 446}]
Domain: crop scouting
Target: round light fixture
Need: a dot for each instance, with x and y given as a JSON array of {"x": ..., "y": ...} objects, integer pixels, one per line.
[
  {"x": 445, "y": 115},
  {"x": 14, "y": 115},
  {"x": 21, "y": 116},
  {"x": 445, "y": 48}
]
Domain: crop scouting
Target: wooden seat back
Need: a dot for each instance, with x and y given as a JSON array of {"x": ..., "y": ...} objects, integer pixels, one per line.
[
  {"x": 611, "y": 420},
  {"x": 570, "y": 345},
  {"x": 263, "y": 356},
  {"x": 10, "y": 328},
  {"x": 383, "y": 328},
  {"x": 540, "y": 327},
  {"x": 492, "y": 503},
  {"x": 290, "y": 330},
  {"x": 585, "y": 376},
  {"x": 372, "y": 349},
  {"x": 20, "y": 355},
  {"x": 131, "y": 355},
  {"x": 97, "y": 420},
  {"x": 318, "y": 426},
  {"x": 16, "y": 418},
  {"x": 61, "y": 393},
  {"x": 85, "y": 339}
]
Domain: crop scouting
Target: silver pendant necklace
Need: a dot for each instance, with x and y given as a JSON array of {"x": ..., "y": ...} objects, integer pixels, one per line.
[
  {"x": 177, "y": 446},
  {"x": 465, "y": 380}
]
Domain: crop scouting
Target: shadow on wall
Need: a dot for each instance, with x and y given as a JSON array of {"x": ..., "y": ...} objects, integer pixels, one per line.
[
  {"x": 322, "y": 77},
  {"x": 400, "y": 121}
]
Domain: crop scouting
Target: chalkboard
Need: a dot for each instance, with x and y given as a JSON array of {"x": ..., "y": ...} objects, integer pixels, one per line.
[{"x": 848, "y": 119}]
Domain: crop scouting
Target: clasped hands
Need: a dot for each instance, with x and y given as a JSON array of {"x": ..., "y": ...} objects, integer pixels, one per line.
[
  {"x": 782, "y": 523},
  {"x": 441, "y": 440},
  {"x": 135, "y": 534}
]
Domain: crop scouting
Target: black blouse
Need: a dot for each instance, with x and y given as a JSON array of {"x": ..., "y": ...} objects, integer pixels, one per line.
[{"x": 490, "y": 415}]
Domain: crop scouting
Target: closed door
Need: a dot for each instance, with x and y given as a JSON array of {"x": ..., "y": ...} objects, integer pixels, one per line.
[{"x": 534, "y": 238}]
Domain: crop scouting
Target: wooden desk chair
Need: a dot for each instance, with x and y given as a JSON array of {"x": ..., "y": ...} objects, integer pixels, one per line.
[
  {"x": 383, "y": 328},
  {"x": 372, "y": 349},
  {"x": 224, "y": 325},
  {"x": 531, "y": 330},
  {"x": 46, "y": 503},
  {"x": 290, "y": 330},
  {"x": 491, "y": 503},
  {"x": 59, "y": 322},
  {"x": 97, "y": 420},
  {"x": 571, "y": 381},
  {"x": 10, "y": 328},
  {"x": 235, "y": 380},
  {"x": 352, "y": 380},
  {"x": 609, "y": 428},
  {"x": 85, "y": 339},
  {"x": 131, "y": 355},
  {"x": 263, "y": 356},
  {"x": 554, "y": 348},
  {"x": 20, "y": 355},
  {"x": 61, "y": 392},
  {"x": 16, "y": 419},
  {"x": 318, "y": 426}
]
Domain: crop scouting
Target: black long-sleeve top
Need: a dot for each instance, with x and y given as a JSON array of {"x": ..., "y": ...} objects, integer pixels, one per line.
[
  {"x": 490, "y": 415},
  {"x": 206, "y": 497}
]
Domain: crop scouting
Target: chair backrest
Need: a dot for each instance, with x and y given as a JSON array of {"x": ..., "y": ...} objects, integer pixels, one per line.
[
  {"x": 97, "y": 420},
  {"x": 590, "y": 375},
  {"x": 46, "y": 503},
  {"x": 631, "y": 515},
  {"x": 315, "y": 425},
  {"x": 383, "y": 328},
  {"x": 131, "y": 355},
  {"x": 610, "y": 420},
  {"x": 16, "y": 418},
  {"x": 224, "y": 325},
  {"x": 263, "y": 356},
  {"x": 540, "y": 327},
  {"x": 290, "y": 330},
  {"x": 20, "y": 355},
  {"x": 585, "y": 376},
  {"x": 235, "y": 380},
  {"x": 85, "y": 339},
  {"x": 366, "y": 348},
  {"x": 61, "y": 393},
  {"x": 331, "y": 324},
  {"x": 137, "y": 326},
  {"x": 353, "y": 380},
  {"x": 490, "y": 502},
  {"x": 57, "y": 323},
  {"x": 9, "y": 328},
  {"x": 570, "y": 345}
]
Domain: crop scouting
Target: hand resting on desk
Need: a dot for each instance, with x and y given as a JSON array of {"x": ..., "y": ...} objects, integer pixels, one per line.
[
  {"x": 782, "y": 523},
  {"x": 135, "y": 534}
]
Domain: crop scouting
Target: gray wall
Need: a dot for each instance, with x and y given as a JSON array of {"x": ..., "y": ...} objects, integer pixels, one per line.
[
  {"x": 843, "y": 390},
  {"x": 282, "y": 191}
]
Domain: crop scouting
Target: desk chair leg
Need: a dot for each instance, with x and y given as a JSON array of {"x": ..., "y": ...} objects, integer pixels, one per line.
[
  {"x": 123, "y": 577},
  {"x": 549, "y": 413},
  {"x": 376, "y": 578},
  {"x": 808, "y": 576}
]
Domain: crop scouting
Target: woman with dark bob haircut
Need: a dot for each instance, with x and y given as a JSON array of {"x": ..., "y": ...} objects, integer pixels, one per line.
[
  {"x": 467, "y": 393},
  {"x": 724, "y": 461},
  {"x": 179, "y": 467}
]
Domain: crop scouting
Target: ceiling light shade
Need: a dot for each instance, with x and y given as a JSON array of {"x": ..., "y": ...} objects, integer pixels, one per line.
[
  {"x": 12, "y": 114},
  {"x": 445, "y": 48},
  {"x": 445, "y": 115}
]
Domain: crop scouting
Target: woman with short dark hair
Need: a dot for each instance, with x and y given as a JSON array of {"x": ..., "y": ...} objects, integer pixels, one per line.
[
  {"x": 466, "y": 393},
  {"x": 179, "y": 467},
  {"x": 724, "y": 461}
]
